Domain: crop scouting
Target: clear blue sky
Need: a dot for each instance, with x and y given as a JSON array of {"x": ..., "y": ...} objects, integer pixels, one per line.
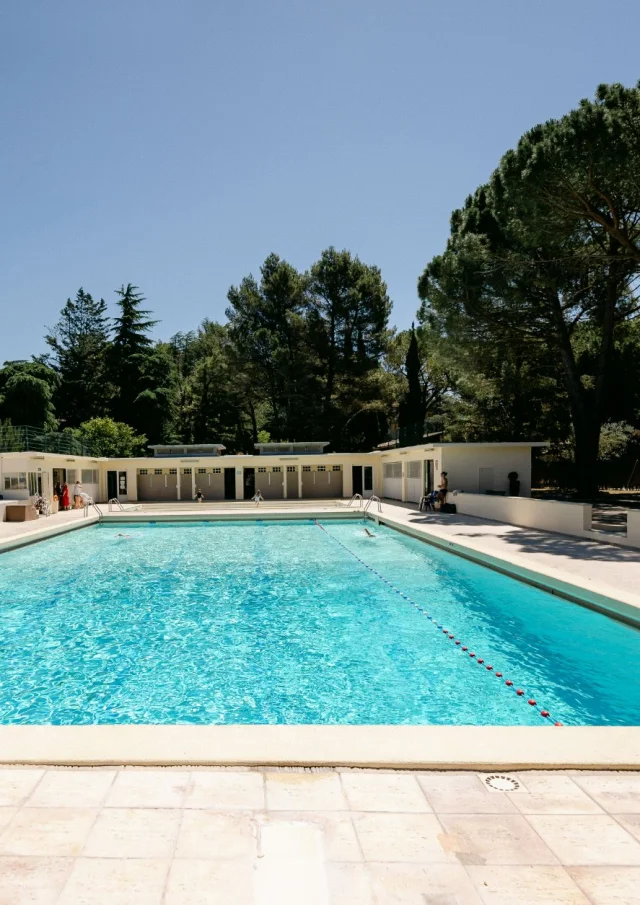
[{"x": 175, "y": 143}]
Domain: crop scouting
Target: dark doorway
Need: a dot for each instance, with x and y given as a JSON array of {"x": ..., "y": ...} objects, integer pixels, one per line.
[
  {"x": 356, "y": 472},
  {"x": 229, "y": 483},
  {"x": 368, "y": 477},
  {"x": 429, "y": 476},
  {"x": 112, "y": 485},
  {"x": 249, "y": 483}
]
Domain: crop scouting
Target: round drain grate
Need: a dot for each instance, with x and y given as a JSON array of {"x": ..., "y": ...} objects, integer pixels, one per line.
[{"x": 502, "y": 783}]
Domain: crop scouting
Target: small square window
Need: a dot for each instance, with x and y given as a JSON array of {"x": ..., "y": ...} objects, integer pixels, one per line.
[
  {"x": 306, "y": 468},
  {"x": 186, "y": 471},
  {"x": 337, "y": 467},
  {"x": 202, "y": 471},
  {"x": 173, "y": 471},
  {"x": 157, "y": 471},
  {"x": 262, "y": 470},
  {"x": 217, "y": 471},
  {"x": 321, "y": 468},
  {"x": 291, "y": 469},
  {"x": 276, "y": 469},
  {"x": 143, "y": 471}
]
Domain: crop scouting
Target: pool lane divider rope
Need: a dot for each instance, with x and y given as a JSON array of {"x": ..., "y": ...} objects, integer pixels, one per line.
[{"x": 451, "y": 636}]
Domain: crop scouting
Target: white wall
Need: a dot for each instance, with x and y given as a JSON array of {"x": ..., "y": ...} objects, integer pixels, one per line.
[
  {"x": 547, "y": 515},
  {"x": 463, "y": 467}
]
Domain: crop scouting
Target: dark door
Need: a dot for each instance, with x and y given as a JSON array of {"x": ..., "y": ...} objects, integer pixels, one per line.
[
  {"x": 249, "y": 483},
  {"x": 229, "y": 483},
  {"x": 356, "y": 472},
  {"x": 429, "y": 476},
  {"x": 368, "y": 477},
  {"x": 112, "y": 485}
]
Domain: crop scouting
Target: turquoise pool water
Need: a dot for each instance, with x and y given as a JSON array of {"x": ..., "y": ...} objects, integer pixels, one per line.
[{"x": 290, "y": 622}]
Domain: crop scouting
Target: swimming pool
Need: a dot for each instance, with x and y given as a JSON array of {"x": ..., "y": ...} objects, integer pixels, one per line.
[{"x": 295, "y": 622}]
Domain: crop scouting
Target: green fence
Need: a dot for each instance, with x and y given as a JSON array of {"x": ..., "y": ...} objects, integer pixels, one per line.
[{"x": 25, "y": 438}]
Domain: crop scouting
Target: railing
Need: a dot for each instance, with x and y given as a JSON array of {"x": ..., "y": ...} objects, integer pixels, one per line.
[
  {"x": 372, "y": 499},
  {"x": 89, "y": 503},
  {"x": 25, "y": 438},
  {"x": 356, "y": 496},
  {"x": 117, "y": 503}
]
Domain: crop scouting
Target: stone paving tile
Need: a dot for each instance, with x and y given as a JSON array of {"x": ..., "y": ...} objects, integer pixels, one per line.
[
  {"x": 585, "y": 840},
  {"x": 198, "y": 882},
  {"x": 133, "y": 833},
  {"x": 47, "y": 832},
  {"x": 493, "y": 839},
  {"x": 463, "y": 793},
  {"x": 349, "y": 884},
  {"x": 522, "y": 885},
  {"x": 17, "y": 785},
  {"x": 107, "y": 881},
  {"x": 305, "y": 792},
  {"x": 416, "y": 884},
  {"x": 149, "y": 789},
  {"x": 384, "y": 792},
  {"x": 37, "y": 881},
  {"x": 225, "y": 790},
  {"x": 609, "y": 885},
  {"x": 618, "y": 793},
  {"x": 210, "y": 834},
  {"x": 6, "y": 816},
  {"x": 402, "y": 837},
  {"x": 630, "y": 822},
  {"x": 72, "y": 789},
  {"x": 552, "y": 793},
  {"x": 339, "y": 835}
]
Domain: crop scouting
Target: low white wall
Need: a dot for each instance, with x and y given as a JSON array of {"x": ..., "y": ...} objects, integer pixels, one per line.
[
  {"x": 547, "y": 515},
  {"x": 633, "y": 527}
]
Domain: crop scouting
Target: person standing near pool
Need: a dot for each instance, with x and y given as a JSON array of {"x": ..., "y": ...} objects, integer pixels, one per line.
[
  {"x": 444, "y": 487},
  {"x": 64, "y": 497},
  {"x": 78, "y": 502}
]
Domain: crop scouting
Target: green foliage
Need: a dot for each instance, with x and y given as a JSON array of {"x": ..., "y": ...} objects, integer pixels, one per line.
[
  {"x": 106, "y": 437},
  {"x": 540, "y": 258},
  {"x": 79, "y": 343},
  {"x": 26, "y": 393},
  {"x": 129, "y": 364}
]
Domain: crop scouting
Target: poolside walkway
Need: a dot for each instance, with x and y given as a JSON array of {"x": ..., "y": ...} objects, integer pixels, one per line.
[{"x": 339, "y": 837}]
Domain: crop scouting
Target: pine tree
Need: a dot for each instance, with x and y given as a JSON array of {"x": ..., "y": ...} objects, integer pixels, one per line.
[
  {"x": 130, "y": 349},
  {"x": 412, "y": 405},
  {"x": 79, "y": 343}
]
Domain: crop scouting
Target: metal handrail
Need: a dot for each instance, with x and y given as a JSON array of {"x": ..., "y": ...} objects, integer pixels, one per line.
[
  {"x": 372, "y": 499},
  {"x": 89, "y": 502},
  {"x": 356, "y": 496},
  {"x": 117, "y": 502}
]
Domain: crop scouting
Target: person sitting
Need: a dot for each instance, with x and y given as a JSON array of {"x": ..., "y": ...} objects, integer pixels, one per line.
[{"x": 199, "y": 496}]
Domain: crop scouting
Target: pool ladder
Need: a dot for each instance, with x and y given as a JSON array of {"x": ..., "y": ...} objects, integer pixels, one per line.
[
  {"x": 372, "y": 499},
  {"x": 358, "y": 497}
]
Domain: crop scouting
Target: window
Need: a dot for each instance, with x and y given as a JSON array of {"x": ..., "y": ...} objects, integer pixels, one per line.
[
  {"x": 89, "y": 476},
  {"x": 276, "y": 469},
  {"x": 173, "y": 471},
  {"x": 337, "y": 467},
  {"x": 321, "y": 468},
  {"x": 261, "y": 470},
  {"x": 143, "y": 471},
  {"x": 202, "y": 471},
  {"x": 414, "y": 469},
  {"x": 216, "y": 470},
  {"x": 15, "y": 481},
  {"x": 186, "y": 471},
  {"x": 393, "y": 470},
  {"x": 291, "y": 469},
  {"x": 122, "y": 482},
  {"x": 306, "y": 468},
  {"x": 33, "y": 483},
  {"x": 157, "y": 471}
]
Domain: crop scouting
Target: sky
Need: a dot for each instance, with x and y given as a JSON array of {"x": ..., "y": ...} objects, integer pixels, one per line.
[{"x": 174, "y": 144}]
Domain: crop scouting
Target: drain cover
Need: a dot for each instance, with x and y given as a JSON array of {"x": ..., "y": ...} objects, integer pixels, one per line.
[{"x": 502, "y": 783}]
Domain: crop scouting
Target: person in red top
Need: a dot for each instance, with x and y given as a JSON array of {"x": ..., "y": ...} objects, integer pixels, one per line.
[{"x": 65, "y": 498}]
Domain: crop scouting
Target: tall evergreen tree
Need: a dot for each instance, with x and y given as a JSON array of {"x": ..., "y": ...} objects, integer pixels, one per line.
[
  {"x": 130, "y": 349},
  {"x": 79, "y": 343},
  {"x": 26, "y": 393},
  {"x": 412, "y": 405}
]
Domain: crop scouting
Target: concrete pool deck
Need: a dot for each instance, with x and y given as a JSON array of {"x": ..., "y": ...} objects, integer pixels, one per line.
[
  {"x": 598, "y": 574},
  {"x": 340, "y": 837}
]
